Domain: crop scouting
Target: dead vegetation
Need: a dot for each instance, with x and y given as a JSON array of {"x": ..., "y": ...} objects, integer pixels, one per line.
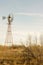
[{"x": 21, "y": 55}]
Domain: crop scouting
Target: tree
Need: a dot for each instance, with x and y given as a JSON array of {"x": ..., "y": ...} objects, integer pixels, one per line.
[
  {"x": 29, "y": 39},
  {"x": 41, "y": 39},
  {"x": 35, "y": 40}
]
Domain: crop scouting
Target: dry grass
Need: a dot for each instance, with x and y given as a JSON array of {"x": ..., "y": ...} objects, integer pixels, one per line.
[{"x": 21, "y": 55}]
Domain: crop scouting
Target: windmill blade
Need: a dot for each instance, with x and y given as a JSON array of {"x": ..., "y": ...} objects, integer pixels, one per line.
[{"x": 12, "y": 17}]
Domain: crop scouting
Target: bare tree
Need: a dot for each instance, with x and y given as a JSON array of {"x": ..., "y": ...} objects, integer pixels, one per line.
[
  {"x": 29, "y": 40},
  {"x": 35, "y": 40},
  {"x": 41, "y": 39}
]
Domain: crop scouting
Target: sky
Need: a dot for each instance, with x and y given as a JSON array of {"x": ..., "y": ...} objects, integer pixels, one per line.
[{"x": 28, "y": 18}]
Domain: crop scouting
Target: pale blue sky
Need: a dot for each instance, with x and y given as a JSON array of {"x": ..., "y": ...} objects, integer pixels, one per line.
[{"x": 28, "y": 17}]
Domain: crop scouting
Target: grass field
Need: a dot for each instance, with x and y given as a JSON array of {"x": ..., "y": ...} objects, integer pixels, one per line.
[{"x": 21, "y": 55}]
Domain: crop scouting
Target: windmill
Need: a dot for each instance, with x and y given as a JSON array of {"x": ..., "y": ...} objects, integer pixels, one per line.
[{"x": 9, "y": 38}]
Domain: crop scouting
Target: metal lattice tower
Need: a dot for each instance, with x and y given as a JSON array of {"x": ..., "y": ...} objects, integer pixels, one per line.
[{"x": 9, "y": 38}]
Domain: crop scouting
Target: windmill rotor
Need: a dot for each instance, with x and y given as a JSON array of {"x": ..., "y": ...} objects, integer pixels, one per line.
[{"x": 9, "y": 18}]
